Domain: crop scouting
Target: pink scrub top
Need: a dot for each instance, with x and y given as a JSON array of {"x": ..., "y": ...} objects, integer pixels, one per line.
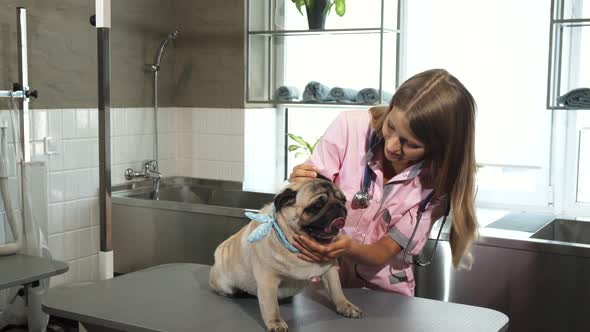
[{"x": 341, "y": 155}]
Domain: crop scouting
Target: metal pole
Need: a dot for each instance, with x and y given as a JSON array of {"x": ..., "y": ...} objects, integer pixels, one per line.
[
  {"x": 21, "y": 18},
  {"x": 381, "y": 52},
  {"x": 103, "y": 24},
  {"x": 247, "y": 57},
  {"x": 104, "y": 137},
  {"x": 400, "y": 42},
  {"x": 551, "y": 61},
  {"x": 156, "y": 156}
]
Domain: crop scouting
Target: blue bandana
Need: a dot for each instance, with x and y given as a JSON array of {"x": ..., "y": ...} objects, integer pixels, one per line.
[{"x": 268, "y": 221}]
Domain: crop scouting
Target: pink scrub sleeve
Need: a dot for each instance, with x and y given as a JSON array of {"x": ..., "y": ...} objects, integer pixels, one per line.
[{"x": 329, "y": 153}]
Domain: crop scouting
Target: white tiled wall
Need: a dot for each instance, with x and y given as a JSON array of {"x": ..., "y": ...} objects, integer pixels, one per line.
[
  {"x": 132, "y": 140},
  {"x": 73, "y": 224},
  {"x": 197, "y": 142},
  {"x": 211, "y": 143}
]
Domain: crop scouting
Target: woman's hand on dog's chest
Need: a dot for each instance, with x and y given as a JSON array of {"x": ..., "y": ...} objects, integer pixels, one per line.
[{"x": 314, "y": 252}]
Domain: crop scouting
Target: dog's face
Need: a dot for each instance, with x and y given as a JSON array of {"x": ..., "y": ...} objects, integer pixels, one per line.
[{"x": 315, "y": 207}]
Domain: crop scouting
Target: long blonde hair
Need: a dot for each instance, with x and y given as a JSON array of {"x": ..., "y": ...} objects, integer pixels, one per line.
[{"x": 441, "y": 114}]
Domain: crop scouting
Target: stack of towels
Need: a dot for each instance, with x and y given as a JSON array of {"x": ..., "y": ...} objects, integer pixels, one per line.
[
  {"x": 316, "y": 92},
  {"x": 371, "y": 96},
  {"x": 286, "y": 94},
  {"x": 343, "y": 95},
  {"x": 576, "y": 99}
]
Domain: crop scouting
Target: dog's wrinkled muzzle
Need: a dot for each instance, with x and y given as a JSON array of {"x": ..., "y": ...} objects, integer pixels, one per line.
[
  {"x": 326, "y": 226},
  {"x": 336, "y": 225}
]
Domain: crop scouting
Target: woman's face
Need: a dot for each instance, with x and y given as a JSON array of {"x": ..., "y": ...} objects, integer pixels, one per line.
[{"x": 401, "y": 145}]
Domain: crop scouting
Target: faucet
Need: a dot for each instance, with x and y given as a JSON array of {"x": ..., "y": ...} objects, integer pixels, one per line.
[{"x": 150, "y": 171}]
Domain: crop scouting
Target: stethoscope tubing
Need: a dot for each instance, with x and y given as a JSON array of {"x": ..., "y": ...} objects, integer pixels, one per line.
[
  {"x": 373, "y": 142},
  {"x": 365, "y": 186},
  {"x": 421, "y": 209}
]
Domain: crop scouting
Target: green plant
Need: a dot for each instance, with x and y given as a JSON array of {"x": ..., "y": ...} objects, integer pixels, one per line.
[
  {"x": 302, "y": 144},
  {"x": 339, "y": 4}
]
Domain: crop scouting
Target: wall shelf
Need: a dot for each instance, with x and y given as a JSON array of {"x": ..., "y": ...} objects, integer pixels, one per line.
[
  {"x": 301, "y": 103},
  {"x": 331, "y": 55},
  {"x": 286, "y": 33},
  {"x": 571, "y": 20}
]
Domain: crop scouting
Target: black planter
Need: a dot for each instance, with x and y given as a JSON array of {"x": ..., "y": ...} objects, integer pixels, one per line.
[{"x": 316, "y": 16}]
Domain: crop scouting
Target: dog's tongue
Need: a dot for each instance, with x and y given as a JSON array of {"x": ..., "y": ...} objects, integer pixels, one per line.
[{"x": 337, "y": 223}]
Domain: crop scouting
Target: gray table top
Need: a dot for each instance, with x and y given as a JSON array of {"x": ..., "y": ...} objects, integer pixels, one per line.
[
  {"x": 177, "y": 297},
  {"x": 18, "y": 269}
]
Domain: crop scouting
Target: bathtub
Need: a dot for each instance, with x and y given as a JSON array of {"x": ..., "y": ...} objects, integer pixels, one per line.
[{"x": 191, "y": 218}]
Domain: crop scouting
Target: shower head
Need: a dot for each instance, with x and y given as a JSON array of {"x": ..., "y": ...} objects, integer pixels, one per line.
[{"x": 171, "y": 36}]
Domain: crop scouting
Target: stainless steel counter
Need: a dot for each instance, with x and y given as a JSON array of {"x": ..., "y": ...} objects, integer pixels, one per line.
[
  {"x": 536, "y": 270},
  {"x": 526, "y": 237}
]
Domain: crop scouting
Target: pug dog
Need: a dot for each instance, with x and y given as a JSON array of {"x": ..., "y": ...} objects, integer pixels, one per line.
[{"x": 266, "y": 267}]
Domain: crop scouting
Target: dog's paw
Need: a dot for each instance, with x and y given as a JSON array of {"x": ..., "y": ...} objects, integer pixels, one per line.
[
  {"x": 277, "y": 325},
  {"x": 349, "y": 310}
]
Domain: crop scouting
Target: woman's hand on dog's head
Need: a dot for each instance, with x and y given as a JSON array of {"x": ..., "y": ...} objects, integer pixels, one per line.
[
  {"x": 314, "y": 252},
  {"x": 303, "y": 172}
]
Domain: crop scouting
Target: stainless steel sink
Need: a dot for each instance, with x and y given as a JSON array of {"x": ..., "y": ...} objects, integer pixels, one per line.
[
  {"x": 191, "y": 218},
  {"x": 564, "y": 230}
]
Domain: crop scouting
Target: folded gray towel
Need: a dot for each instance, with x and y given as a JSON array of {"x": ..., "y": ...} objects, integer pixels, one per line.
[
  {"x": 371, "y": 96},
  {"x": 577, "y": 98},
  {"x": 286, "y": 93},
  {"x": 316, "y": 92},
  {"x": 343, "y": 95}
]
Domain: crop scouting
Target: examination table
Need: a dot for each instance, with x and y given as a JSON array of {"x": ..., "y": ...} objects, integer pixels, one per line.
[{"x": 177, "y": 297}]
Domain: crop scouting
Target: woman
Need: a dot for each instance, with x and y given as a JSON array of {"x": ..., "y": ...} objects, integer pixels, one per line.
[{"x": 415, "y": 157}]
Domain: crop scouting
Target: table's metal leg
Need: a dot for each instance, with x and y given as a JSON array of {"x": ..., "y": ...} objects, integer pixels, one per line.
[{"x": 36, "y": 319}]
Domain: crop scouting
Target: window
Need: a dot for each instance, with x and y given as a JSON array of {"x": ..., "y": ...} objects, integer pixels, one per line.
[{"x": 498, "y": 49}]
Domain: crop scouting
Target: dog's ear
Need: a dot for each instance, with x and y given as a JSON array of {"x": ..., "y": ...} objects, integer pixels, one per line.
[{"x": 287, "y": 197}]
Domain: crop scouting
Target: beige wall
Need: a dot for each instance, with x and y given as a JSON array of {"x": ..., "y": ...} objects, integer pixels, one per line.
[
  {"x": 210, "y": 55},
  {"x": 62, "y": 51},
  {"x": 204, "y": 67}
]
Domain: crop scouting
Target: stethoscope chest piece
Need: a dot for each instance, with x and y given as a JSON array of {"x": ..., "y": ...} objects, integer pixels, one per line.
[{"x": 361, "y": 199}]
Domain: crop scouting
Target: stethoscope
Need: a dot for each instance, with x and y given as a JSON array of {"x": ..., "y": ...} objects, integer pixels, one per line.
[
  {"x": 417, "y": 261},
  {"x": 362, "y": 199}
]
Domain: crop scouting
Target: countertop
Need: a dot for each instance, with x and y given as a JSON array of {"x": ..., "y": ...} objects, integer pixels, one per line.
[{"x": 514, "y": 230}]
